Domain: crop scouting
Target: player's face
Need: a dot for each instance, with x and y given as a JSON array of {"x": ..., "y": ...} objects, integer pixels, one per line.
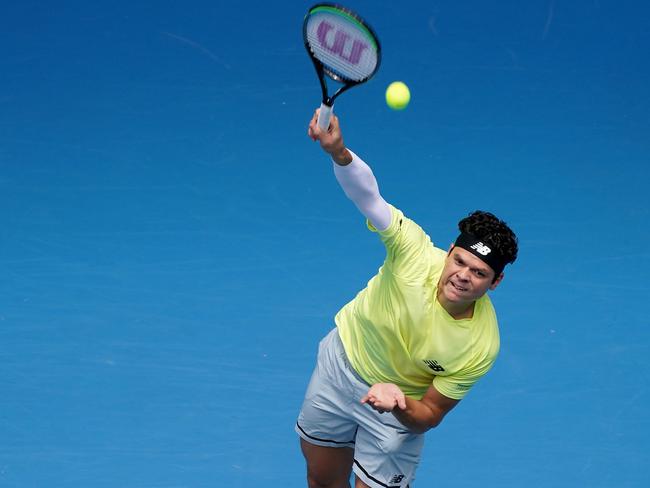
[{"x": 465, "y": 278}]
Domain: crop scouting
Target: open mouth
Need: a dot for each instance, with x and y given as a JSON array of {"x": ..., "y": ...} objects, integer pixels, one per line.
[{"x": 457, "y": 288}]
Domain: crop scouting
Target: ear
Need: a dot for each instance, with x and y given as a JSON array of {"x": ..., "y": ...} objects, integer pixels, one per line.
[
  {"x": 451, "y": 248},
  {"x": 496, "y": 282}
]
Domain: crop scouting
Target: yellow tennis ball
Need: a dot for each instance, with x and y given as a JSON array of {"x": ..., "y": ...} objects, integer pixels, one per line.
[{"x": 398, "y": 95}]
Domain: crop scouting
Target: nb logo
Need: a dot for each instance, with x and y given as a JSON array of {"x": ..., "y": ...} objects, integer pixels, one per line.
[
  {"x": 338, "y": 42},
  {"x": 397, "y": 478},
  {"x": 434, "y": 365},
  {"x": 481, "y": 248}
]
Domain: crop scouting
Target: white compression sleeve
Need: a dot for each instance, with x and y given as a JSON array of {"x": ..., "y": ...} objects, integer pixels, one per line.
[{"x": 360, "y": 186}]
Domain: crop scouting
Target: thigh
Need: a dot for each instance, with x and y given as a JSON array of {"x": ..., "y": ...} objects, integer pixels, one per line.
[
  {"x": 325, "y": 416},
  {"x": 328, "y": 466},
  {"x": 323, "y": 420},
  {"x": 386, "y": 453}
]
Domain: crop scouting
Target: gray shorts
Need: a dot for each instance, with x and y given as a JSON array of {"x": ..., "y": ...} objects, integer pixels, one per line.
[{"x": 386, "y": 454}]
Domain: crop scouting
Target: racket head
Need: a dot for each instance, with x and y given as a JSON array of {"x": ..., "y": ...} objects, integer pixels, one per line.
[{"x": 341, "y": 45}]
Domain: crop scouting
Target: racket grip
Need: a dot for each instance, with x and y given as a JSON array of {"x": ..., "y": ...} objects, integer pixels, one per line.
[{"x": 324, "y": 116}]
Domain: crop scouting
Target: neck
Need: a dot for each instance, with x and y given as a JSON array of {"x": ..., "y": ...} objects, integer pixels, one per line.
[{"x": 458, "y": 311}]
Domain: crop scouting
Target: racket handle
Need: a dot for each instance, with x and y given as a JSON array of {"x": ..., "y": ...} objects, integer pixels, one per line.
[{"x": 324, "y": 116}]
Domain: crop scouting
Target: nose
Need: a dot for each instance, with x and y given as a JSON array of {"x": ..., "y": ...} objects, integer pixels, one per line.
[{"x": 463, "y": 274}]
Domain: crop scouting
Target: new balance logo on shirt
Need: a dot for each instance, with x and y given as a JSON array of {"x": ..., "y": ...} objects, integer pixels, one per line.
[
  {"x": 434, "y": 365},
  {"x": 481, "y": 248}
]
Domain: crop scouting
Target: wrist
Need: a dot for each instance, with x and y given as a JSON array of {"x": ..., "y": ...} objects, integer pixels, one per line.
[{"x": 341, "y": 157}]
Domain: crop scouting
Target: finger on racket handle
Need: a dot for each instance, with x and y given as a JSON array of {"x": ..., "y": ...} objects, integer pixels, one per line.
[{"x": 324, "y": 116}]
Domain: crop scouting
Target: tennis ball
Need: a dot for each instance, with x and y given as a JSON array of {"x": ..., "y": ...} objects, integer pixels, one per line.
[{"x": 398, "y": 95}]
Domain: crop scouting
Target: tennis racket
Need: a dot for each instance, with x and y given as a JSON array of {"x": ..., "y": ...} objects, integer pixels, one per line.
[{"x": 343, "y": 47}]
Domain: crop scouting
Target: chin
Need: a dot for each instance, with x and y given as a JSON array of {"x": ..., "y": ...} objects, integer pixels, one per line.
[{"x": 452, "y": 295}]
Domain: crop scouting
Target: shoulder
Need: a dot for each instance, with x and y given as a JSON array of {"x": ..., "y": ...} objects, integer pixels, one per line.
[
  {"x": 401, "y": 227},
  {"x": 487, "y": 341},
  {"x": 396, "y": 221}
]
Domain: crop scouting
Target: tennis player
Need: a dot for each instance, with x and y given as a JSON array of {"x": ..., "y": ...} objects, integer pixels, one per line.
[{"x": 408, "y": 347}]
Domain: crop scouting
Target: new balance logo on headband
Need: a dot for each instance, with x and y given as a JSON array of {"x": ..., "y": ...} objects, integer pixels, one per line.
[
  {"x": 490, "y": 256},
  {"x": 481, "y": 248}
]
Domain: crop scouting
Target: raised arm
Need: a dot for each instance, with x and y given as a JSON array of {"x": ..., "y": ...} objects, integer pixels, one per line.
[{"x": 355, "y": 177}]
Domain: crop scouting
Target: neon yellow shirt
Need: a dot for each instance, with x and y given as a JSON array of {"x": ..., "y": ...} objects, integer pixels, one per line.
[{"x": 396, "y": 331}]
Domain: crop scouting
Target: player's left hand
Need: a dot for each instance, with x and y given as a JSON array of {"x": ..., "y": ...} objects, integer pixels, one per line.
[{"x": 385, "y": 397}]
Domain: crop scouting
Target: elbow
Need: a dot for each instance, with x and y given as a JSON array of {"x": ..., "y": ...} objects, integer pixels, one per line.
[
  {"x": 433, "y": 424},
  {"x": 423, "y": 427},
  {"x": 420, "y": 429},
  {"x": 434, "y": 421}
]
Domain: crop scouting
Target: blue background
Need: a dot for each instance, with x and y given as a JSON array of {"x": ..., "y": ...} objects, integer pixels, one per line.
[{"x": 173, "y": 246}]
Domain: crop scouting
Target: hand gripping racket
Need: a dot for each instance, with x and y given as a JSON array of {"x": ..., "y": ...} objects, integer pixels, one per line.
[{"x": 342, "y": 46}]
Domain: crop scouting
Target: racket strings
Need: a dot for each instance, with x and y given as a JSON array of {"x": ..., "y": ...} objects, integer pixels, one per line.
[{"x": 344, "y": 48}]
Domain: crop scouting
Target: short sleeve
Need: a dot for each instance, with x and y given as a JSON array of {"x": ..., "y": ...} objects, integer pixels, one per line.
[
  {"x": 456, "y": 386},
  {"x": 408, "y": 247}
]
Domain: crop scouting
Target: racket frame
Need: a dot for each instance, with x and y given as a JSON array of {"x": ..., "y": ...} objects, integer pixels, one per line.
[{"x": 327, "y": 103}]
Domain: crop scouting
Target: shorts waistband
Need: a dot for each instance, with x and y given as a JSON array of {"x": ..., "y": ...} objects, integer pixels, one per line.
[{"x": 344, "y": 357}]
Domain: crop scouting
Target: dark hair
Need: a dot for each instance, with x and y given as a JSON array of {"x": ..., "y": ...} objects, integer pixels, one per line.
[{"x": 493, "y": 231}]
